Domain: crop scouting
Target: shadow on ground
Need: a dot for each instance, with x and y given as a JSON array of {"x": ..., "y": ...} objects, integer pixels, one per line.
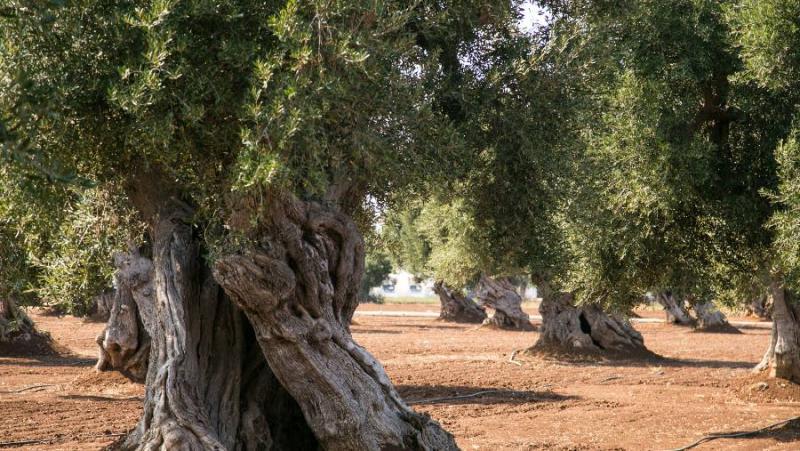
[{"x": 455, "y": 395}]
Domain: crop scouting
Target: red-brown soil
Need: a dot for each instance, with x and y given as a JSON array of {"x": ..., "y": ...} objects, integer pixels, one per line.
[{"x": 704, "y": 385}]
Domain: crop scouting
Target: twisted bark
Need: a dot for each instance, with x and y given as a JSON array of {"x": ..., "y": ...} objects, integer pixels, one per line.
[
  {"x": 501, "y": 296},
  {"x": 675, "y": 309},
  {"x": 456, "y": 307},
  {"x": 761, "y": 307},
  {"x": 208, "y": 385},
  {"x": 782, "y": 358},
  {"x": 299, "y": 291},
  {"x": 585, "y": 329},
  {"x": 124, "y": 345},
  {"x": 710, "y": 318}
]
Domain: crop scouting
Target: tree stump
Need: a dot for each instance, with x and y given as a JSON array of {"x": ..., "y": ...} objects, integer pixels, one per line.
[
  {"x": 675, "y": 309},
  {"x": 456, "y": 307},
  {"x": 782, "y": 358},
  {"x": 501, "y": 296},
  {"x": 585, "y": 329},
  {"x": 124, "y": 345}
]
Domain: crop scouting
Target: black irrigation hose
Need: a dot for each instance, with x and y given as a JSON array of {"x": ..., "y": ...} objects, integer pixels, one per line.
[
  {"x": 450, "y": 398},
  {"x": 711, "y": 437}
]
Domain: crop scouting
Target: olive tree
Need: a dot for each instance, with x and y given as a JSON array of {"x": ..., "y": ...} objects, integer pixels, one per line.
[{"x": 248, "y": 136}]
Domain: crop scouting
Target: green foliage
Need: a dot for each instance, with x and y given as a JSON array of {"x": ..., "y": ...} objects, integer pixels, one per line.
[
  {"x": 377, "y": 268},
  {"x": 78, "y": 265}
]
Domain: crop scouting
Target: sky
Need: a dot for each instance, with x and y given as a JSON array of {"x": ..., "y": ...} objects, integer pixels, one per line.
[{"x": 533, "y": 16}]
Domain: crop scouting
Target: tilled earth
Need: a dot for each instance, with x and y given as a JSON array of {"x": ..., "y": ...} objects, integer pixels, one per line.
[{"x": 703, "y": 385}]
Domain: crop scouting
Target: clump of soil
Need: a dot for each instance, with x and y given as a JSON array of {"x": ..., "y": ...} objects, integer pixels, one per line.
[
  {"x": 760, "y": 388},
  {"x": 574, "y": 355}
]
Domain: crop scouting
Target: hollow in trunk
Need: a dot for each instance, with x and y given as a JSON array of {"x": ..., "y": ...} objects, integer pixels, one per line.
[
  {"x": 585, "y": 329},
  {"x": 456, "y": 307},
  {"x": 299, "y": 290}
]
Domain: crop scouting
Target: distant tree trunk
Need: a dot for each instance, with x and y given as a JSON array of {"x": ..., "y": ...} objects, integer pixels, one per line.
[
  {"x": 18, "y": 334},
  {"x": 299, "y": 291},
  {"x": 456, "y": 307},
  {"x": 710, "y": 318},
  {"x": 761, "y": 307},
  {"x": 102, "y": 305},
  {"x": 782, "y": 358},
  {"x": 675, "y": 310},
  {"x": 124, "y": 345},
  {"x": 501, "y": 296},
  {"x": 567, "y": 328}
]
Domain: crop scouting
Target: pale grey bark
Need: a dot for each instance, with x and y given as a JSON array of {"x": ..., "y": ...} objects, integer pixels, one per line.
[
  {"x": 124, "y": 345},
  {"x": 710, "y": 318},
  {"x": 456, "y": 307},
  {"x": 782, "y": 358},
  {"x": 500, "y": 296},
  {"x": 676, "y": 312},
  {"x": 586, "y": 328}
]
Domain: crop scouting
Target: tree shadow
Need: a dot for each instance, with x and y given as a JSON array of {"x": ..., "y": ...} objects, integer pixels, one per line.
[
  {"x": 435, "y": 325},
  {"x": 785, "y": 433},
  {"x": 102, "y": 398},
  {"x": 360, "y": 330},
  {"x": 46, "y": 361},
  {"x": 458, "y": 395},
  {"x": 649, "y": 361}
]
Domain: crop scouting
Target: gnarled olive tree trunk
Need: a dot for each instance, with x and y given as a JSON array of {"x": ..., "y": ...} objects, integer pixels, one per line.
[
  {"x": 675, "y": 309},
  {"x": 761, "y": 307},
  {"x": 710, "y": 318},
  {"x": 782, "y": 358},
  {"x": 208, "y": 384},
  {"x": 456, "y": 307},
  {"x": 500, "y": 295},
  {"x": 18, "y": 334},
  {"x": 299, "y": 291},
  {"x": 587, "y": 328},
  {"x": 124, "y": 345}
]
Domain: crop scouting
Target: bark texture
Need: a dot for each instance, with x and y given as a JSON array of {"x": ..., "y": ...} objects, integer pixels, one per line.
[
  {"x": 103, "y": 303},
  {"x": 456, "y": 307},
  {"x": 124, "y": 345},
  {"x": 208, "y": 385},
  {"x": 675, "y": 309},
  {"x": 710, "y": 318},
  {"x": 782, "y": 358},
  {"x": 761, "y": 307},
  {"x": 500, "y": 295},
  {"x": 588, "y": 328},
  {"x": 299, "y": 291},
  {"x": 18, "y": 334}
]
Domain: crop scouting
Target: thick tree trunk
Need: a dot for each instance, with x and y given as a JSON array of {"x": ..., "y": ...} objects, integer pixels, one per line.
[
  {"x": 761, "y": 307},
  {"x": 675, "y": 309},
  {"x": 299, "y": 290},
  {"x": 501, "y": 296},
  {"x": 585, "y": 329},
  {"x": 456, "y": 307},
  {"x": 710, "y": 318},
  {"x": 782, "y": 358},
  {"x": 124, "y": 345},
  {"x": 18, "y": 334},
  {"x": 208, "y": 385}
]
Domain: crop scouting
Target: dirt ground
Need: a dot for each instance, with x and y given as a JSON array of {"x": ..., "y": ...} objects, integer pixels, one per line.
[{"x": 703, "y": 385}]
